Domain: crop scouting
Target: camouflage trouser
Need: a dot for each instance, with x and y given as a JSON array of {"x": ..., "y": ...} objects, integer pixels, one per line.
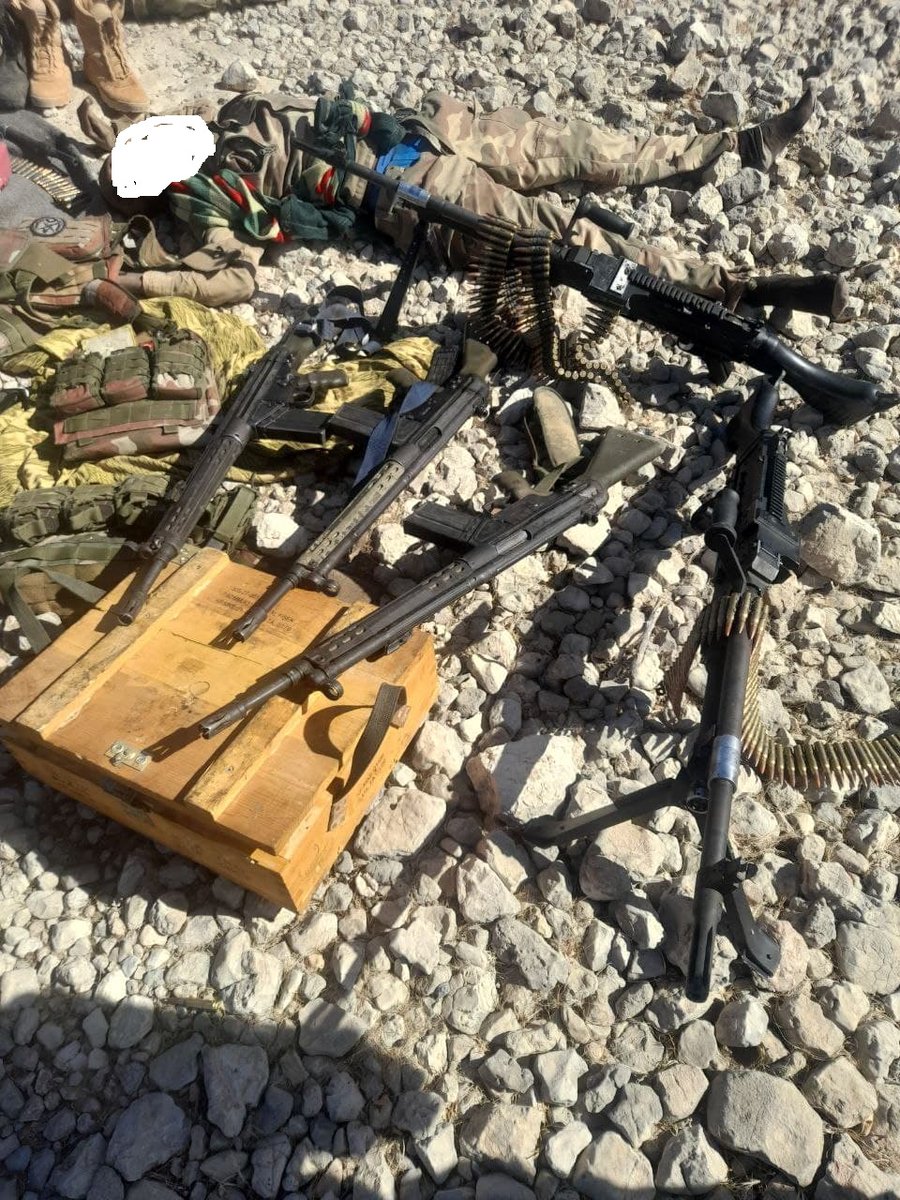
[{"x": 496, "y": 157}]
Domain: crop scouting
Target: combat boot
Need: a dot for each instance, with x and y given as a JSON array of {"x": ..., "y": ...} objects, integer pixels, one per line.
[
  {"x": 49, "y": 77},
  {"x": 105, "y": 66}
]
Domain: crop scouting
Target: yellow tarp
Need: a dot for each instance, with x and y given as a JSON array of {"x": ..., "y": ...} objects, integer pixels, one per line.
[{"x": 28, "y": 458}]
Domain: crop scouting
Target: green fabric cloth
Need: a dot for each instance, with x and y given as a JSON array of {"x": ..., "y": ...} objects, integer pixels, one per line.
[{"x": 313, "y": 211}]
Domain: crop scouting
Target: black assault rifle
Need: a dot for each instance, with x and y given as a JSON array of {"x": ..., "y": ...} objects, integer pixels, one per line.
[
  {"x": 489, "y": 545},
  {"x": 420, "y": 439},
  {"x": 621, "y": 286}
]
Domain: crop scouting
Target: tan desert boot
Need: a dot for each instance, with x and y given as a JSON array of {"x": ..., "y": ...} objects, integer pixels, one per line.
[
  {"x": 105, "y": 66},
  {"x": 49, "y": 76}
]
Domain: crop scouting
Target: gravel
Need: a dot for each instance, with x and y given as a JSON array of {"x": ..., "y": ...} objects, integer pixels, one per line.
[{"x": 457, "y": 1015}]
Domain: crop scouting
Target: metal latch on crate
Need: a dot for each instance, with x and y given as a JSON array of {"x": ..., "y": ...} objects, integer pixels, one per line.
[{"x": 121, "y": 754}]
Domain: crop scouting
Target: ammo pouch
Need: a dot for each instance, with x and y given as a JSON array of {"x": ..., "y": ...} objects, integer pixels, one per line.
[
  {"x": 52, "y": 572},
  {"x": 154, "y": 398},
  {"x": 45, "y": 264}
]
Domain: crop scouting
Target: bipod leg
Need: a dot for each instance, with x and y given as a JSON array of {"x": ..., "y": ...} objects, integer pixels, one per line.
[
  {"x": 757, "y": 948},
  {"x": 386, "y": 326},
  {"x": 556, "y": 831}
]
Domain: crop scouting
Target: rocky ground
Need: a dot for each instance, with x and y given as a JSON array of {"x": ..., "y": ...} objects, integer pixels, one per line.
[{"x": 455, "y": 1016}]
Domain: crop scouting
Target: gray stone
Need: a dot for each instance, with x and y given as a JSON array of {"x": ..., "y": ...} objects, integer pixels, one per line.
[
  {"x": 502, "y": 1137},
  {"x": 176, "y": 1067},
  {"x": 72, "y": 1177},
  {"x": 400, "y": 823},
  {"x": 418, "y": 1113},
  {"x": 147, "y": 1189},
  {"x": 610, "y": 1169},
  {"x": 440, "y": 747},
  {"x": 840, "y": 1093},
  {"x": 268, "y": 1162},
  {"x": 850, "y": 1176},
  {"x": 742, "y": 1023},
  {"x": 106, "y": 1185},
  {"x": 636, "y": 1113},
  {"x": 148, "y": 1133},
  {"x": 867, "y": 688},
  {"x": 482, "y": 895},
  {"x": 844, "y": 1003},
  {"x": 877, "y": 1048},
  {"x": 868, "y": 957},
  {"x": 343, "y": 1099},
  {"x": 501, "y": 1072},
  {"x": 558, "y": 1073},
  {"x": 314, "y": 935},
  {"x": 418, "y": 945},
  {"x": 739, "y": 1112},
  {"x": 805, "y": 1026},
  {"x": 327, "y": 1029},
  {"x": 526, "y": 778},
  {"x": 131, "y": 1021},
  {"x": 689, "y": 1165},
  {"x": 239, "y": 76},
  {"x": 616, "y": 856},
  {"x": 234, "y": 1077},
  {"x": 562, "y": 1148},
  {"x": 373, "y": 1179},
  {"x": 743, "y": 187},
  {"x": 681, "y": 1088},
  {"x": 519, "y": 946},
  {"x": 840, "y": 545}
]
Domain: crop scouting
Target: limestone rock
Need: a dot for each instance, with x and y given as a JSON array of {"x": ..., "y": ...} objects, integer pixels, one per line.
[
  {"x": 234, "y": 1077},
  {"x": 843, "y": 1096},
  {"x": 609, "y": 1169},
  {"x": 690, "y": 1165},
  {"x": 504, "y": 1137},
  {"x": 482, "y": 895},
  {"x": 840, "y": 545},
  {"x": 400, "y": 822},
  {"x": 147, "y": 1134},
  {"x": 739, "y": 1113},
  {"x": 869, "y": 957},
  {"x": 526, "y": 779}
]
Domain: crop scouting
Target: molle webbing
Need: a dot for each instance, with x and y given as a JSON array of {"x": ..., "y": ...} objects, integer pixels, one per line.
[
  {"x": 514, "y": 310},
  {"x": 808, "y": 764}
]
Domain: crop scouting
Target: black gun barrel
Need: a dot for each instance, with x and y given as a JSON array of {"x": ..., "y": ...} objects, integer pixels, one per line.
[
  {"x": 728, "y": 683},
  {"x": 271, "y": 378},
  {"x": 543, "y": 519},
  {"x": 313, "y": 566}
]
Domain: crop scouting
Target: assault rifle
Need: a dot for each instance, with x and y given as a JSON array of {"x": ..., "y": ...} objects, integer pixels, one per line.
[
  {"x": 266, "y": 404},
  {"x": 755, "y": 548},
  {"x": 489, "y": 545},
  {"x": 619, "y": 286},
  {"x": 424, "y": 433},
  {"x": 273, "y": 402}
]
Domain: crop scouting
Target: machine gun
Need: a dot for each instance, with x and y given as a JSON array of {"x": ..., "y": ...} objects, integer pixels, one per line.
[
  {"x": 755, "y": 548},
  {"x": 514, "y": 311},
  {"x": 489, "y": 545}
]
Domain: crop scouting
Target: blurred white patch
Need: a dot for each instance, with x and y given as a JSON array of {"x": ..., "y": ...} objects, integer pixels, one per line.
[{"x": 153, "y": 153}]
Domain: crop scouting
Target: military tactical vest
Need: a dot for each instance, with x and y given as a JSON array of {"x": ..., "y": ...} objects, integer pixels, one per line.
[{"x": 153, "y": 398}]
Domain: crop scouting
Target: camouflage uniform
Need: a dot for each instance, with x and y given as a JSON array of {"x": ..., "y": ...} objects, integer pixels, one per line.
[
  {"x": 491, "y": 159},
  {"x": 484, "y": 162}
]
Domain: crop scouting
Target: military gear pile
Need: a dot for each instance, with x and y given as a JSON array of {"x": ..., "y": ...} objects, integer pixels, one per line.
[
  {"x": 62, "y": 551},
  {"x": 162, "y": 394},
  {"x": 133, "y": 506}
]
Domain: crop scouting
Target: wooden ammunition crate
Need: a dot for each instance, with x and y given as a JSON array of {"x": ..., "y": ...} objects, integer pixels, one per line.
[{"x": 108, "y": 714}]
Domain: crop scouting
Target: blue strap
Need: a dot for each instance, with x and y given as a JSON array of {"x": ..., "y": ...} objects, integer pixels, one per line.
[{"x": 383, "y": 434}]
